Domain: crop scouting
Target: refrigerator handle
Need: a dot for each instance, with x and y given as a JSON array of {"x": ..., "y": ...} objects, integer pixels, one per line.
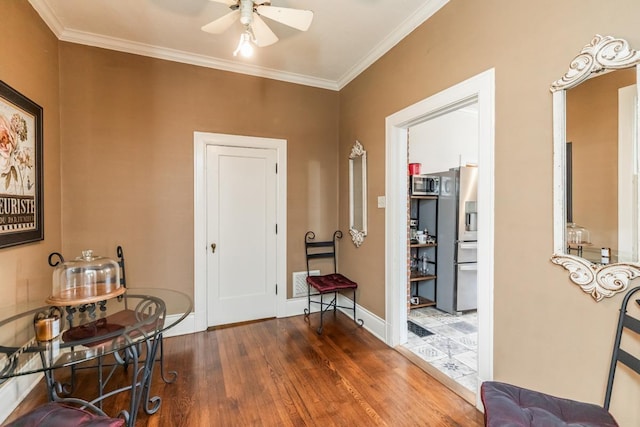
[
  {"x": 468, "y": 245},
  {"x": 468, "y": 267}
]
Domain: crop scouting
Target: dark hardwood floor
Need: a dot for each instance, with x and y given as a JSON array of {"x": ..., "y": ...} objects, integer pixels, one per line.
[{"x": 278, "y": 372}]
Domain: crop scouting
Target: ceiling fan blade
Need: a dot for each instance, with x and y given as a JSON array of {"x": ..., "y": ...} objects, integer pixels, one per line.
[
  {"x": 227, "y": 2},
  {"x": 263, "y": 34},
  {"x": 296, "y": 18},
  {"x": 221, "y": 24}
]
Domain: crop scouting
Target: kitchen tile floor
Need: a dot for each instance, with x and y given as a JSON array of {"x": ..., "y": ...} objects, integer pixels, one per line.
[{"x": 453, "y": 346}]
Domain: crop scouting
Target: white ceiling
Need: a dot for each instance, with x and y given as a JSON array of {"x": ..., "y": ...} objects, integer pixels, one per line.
[{"x": 345, "y": 37}]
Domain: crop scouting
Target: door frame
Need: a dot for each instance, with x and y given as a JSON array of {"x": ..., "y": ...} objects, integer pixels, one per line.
[
  {"x": 200, "y": 246},
  {"x": 480, "y": 89}
]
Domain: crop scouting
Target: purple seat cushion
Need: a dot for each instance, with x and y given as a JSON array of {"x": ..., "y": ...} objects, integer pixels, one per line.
[
  {"x": 331, "y": 283},
  {"x": 508, "y": 405},
  {"x": 93, "y": 329},
  {"x": 59, "y": 415},
  {"x": 113, "y": 323}
]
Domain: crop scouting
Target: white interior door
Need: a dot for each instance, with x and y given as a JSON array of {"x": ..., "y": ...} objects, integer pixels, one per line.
[{"x": 241, "y": 234}]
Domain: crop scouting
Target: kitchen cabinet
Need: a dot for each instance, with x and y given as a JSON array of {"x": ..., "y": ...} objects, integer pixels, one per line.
[{"x": 423, "y": 254}]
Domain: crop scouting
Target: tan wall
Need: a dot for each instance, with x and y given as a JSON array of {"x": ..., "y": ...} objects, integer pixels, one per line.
[
  {"x": 548, "y": 334},
  {"x": 29, "y": 64},
  {"x": 127, "y": 155},
  {"x": 592, "y": 128},
  {"x": 127, "y": 162}
]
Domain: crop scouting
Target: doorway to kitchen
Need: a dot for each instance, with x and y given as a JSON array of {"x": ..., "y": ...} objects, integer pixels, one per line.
[
  {"x": 478, "y": 90},
  {"x": 442, "y": 318}
]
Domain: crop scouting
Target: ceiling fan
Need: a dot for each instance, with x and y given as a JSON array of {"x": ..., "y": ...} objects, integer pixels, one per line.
[{"x": 249, "y": 13}]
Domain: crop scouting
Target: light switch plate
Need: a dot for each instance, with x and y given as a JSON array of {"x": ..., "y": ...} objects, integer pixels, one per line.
[{"x": 382, "y": 202}]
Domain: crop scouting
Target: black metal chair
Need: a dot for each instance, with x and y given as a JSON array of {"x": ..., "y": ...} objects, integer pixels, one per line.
[
  {"x": 331, "y": 283},
  {"x": 123, "y": 282},
  {"x": 120, "y": 257},
  {"x": 509, "y": 405}
]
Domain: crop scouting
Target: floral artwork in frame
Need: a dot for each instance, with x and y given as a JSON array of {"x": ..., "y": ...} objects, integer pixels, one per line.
[{"x": 21, "y": 210}]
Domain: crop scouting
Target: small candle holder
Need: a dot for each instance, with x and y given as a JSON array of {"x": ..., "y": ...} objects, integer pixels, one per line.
[{"x": 47, "y": 324}]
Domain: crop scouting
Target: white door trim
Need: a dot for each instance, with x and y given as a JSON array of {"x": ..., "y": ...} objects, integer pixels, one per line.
[
  {"x": 200, "y": 244},
  {"x": 480, "y": 88},
  {"x": 627, "y": 166}
]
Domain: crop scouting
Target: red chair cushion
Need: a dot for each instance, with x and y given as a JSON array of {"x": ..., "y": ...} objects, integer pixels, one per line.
[
  {"x": 509, "y": 405},
  {"x": 93, "y": 329},
  {"x": 331, "y": 283},
  {"x": 60, "y": 415},
  {"x": 112, "y": 323}
]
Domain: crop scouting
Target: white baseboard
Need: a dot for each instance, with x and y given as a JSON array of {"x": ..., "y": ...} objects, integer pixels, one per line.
[
  {"x": 296, "y": 307},
  {"x": 14, "y": 390},
  {"x": 187, "y": 326},
  {"x": 372, "y": 323}
]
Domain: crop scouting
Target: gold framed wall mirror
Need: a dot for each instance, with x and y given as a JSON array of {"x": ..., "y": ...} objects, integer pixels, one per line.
[
  {"x": 595, "y": 134},
  {"x": 358, "y": 194}
]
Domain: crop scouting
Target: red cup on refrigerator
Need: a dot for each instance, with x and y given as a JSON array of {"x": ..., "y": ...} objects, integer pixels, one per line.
[{"x": 414, "y": 168}]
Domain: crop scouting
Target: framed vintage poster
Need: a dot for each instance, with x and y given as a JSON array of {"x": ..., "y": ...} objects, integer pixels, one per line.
[{"x": 21, "y": 211}]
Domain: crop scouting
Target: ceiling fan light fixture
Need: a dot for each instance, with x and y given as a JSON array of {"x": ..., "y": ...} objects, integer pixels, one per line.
[
  {"x": 245, "y": 46},
  {"x": 248, "y": 12}
]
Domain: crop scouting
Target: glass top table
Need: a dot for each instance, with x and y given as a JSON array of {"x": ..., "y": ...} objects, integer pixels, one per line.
[
  {"x": 39, "y": 338},
  {"x": 85, "y": 334}
]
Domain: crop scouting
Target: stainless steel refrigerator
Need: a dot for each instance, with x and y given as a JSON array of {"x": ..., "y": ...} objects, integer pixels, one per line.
[{"x": 457, "y": 238}]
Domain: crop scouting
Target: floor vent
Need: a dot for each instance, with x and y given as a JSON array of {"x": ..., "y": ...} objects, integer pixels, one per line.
[{"x": 300, "y": 282}]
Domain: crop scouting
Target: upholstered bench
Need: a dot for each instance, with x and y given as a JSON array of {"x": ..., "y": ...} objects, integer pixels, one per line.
[{"x": 509, "y": 405}]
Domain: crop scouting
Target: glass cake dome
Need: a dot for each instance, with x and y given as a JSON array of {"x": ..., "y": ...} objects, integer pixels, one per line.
[
  {"x": 84, "y": 280},
  {"x": 577, "y": 234}
]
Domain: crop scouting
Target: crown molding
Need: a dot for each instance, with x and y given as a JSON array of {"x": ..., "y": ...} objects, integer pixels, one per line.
[
  {"x": 48, "y": 16},
  {"x": 142, "y": 49},
  {"x": 121, "y": 45}
]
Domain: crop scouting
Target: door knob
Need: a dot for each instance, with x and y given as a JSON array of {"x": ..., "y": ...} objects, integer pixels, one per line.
[{"x": 213, "y": 248}]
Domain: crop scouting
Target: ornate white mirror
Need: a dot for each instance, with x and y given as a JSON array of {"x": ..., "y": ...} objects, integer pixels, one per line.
[
  {"x": 358, "y": 194},
  {"x": 596, "y": 203}
]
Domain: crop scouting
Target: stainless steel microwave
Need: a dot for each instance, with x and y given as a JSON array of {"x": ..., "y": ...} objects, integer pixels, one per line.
[{"x": 425, "y": 185}]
